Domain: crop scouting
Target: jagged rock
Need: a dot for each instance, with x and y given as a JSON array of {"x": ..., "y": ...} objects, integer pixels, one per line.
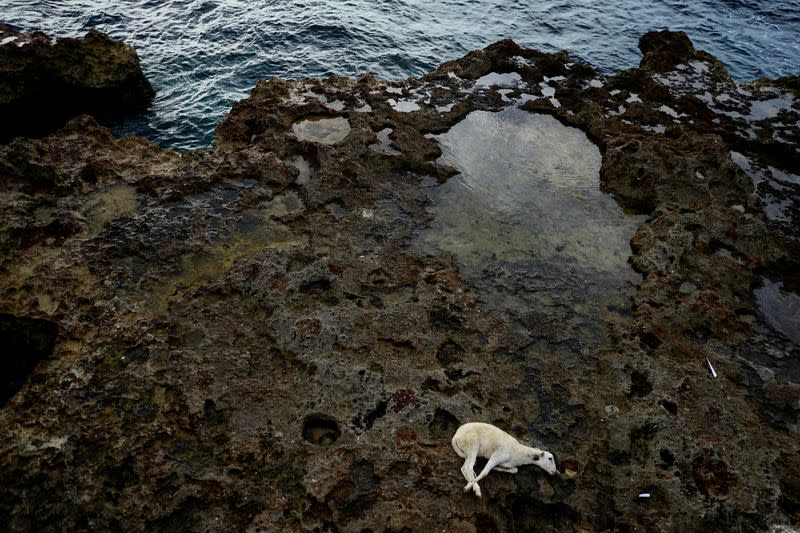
[
  {"x": 245, "y": 337},
  {"x": 43, "y": 82}
]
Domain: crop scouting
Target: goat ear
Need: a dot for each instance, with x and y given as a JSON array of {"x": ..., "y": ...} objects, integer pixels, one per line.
[{"x": 537, "y": 456}]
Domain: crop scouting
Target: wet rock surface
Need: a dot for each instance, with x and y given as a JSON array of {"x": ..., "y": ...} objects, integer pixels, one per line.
[
  {"x": 44, "y": 81},
  {"x": 247, "y": 337}
]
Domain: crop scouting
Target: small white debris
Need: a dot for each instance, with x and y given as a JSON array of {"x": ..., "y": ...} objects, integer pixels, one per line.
[
  {"x": 738, "y": 207},
  {"x": 699, "y": 175},
  {"x": 644, "y": 495},
  {"x": 9, "y": 39},
  {"x": 405, "y": 106},
  {"x": 555, "y": 103},
  {"x": 510, "y": 79},
  {"x": 658, "y": 128},
  {"x": 615, "y": 92},
  {"x": 669, "y": 111},
  {"x": 452, "y": 75},
  {"x": 713, "y": 372},
  {"x": 595, "y": 83},
  {"x": 367, "y": 212},
  {"x": 394, "y": 90},
  {"x": 633, "y": 98}
]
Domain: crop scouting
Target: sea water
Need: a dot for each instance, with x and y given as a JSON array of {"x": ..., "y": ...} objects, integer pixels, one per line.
[{"x": 202, "y": 55}]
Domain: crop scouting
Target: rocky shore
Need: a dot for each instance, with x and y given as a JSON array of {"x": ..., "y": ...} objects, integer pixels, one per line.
[
  {"x": 251, "y": 337},
  {"x": 44, "y": 81}
]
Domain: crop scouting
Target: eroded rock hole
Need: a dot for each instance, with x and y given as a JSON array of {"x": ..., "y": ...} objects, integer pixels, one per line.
[
  {"x": 431, "y": 384},
  {"x": 321, "y": 429},
  {"x": 364, "y": 477},
  {"x": 368, "y": 420},
  {"x": 316, "y": 287},
  {"x": 670, "y": 406},
  {"x": 532, "y": 515},
  {"x": 444, "y": 318},
  {"x": 640, "y": 438},
  {"x": 485, "y": 522},
  {"x": 790, "y": 484},
  {"x": 455, "y": 374},
  {"x": 444, "y": 424},
  {"x": 25, "y": 342},
  {"x": 378, "y": 278},
  {"x": 640, "y": 384},
  {"x": 213, "y": 415},
  {"x": 650, "y": 340},
  {"x": 320, "y": 289},
  {"x": 449, "y": 353},
  {"x": 667, "y": 457}
]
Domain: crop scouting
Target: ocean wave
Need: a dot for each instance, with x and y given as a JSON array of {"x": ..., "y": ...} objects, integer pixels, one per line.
[{"x": 203, "y": 54}]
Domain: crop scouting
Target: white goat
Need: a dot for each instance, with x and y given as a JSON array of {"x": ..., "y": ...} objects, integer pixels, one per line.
[{"x": 504, "y": 452}]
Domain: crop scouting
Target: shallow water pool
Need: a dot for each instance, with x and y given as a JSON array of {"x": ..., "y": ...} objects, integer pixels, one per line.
[{"x": 526, "y": 221}]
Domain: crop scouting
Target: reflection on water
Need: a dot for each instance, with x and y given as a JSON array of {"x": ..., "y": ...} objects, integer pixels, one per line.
[
  {"x": 527, "y": 222},
  {"x": 202, "y": 55},
  {"x": 774, "y": 187},
  {"x": 322, "y": 130},
  {"x": 303, "y": 169},
  {"x": 781, "y": 309}
]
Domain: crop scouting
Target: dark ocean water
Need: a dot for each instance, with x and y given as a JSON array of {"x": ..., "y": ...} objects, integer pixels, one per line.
[{"x": 202, "y": 55}]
